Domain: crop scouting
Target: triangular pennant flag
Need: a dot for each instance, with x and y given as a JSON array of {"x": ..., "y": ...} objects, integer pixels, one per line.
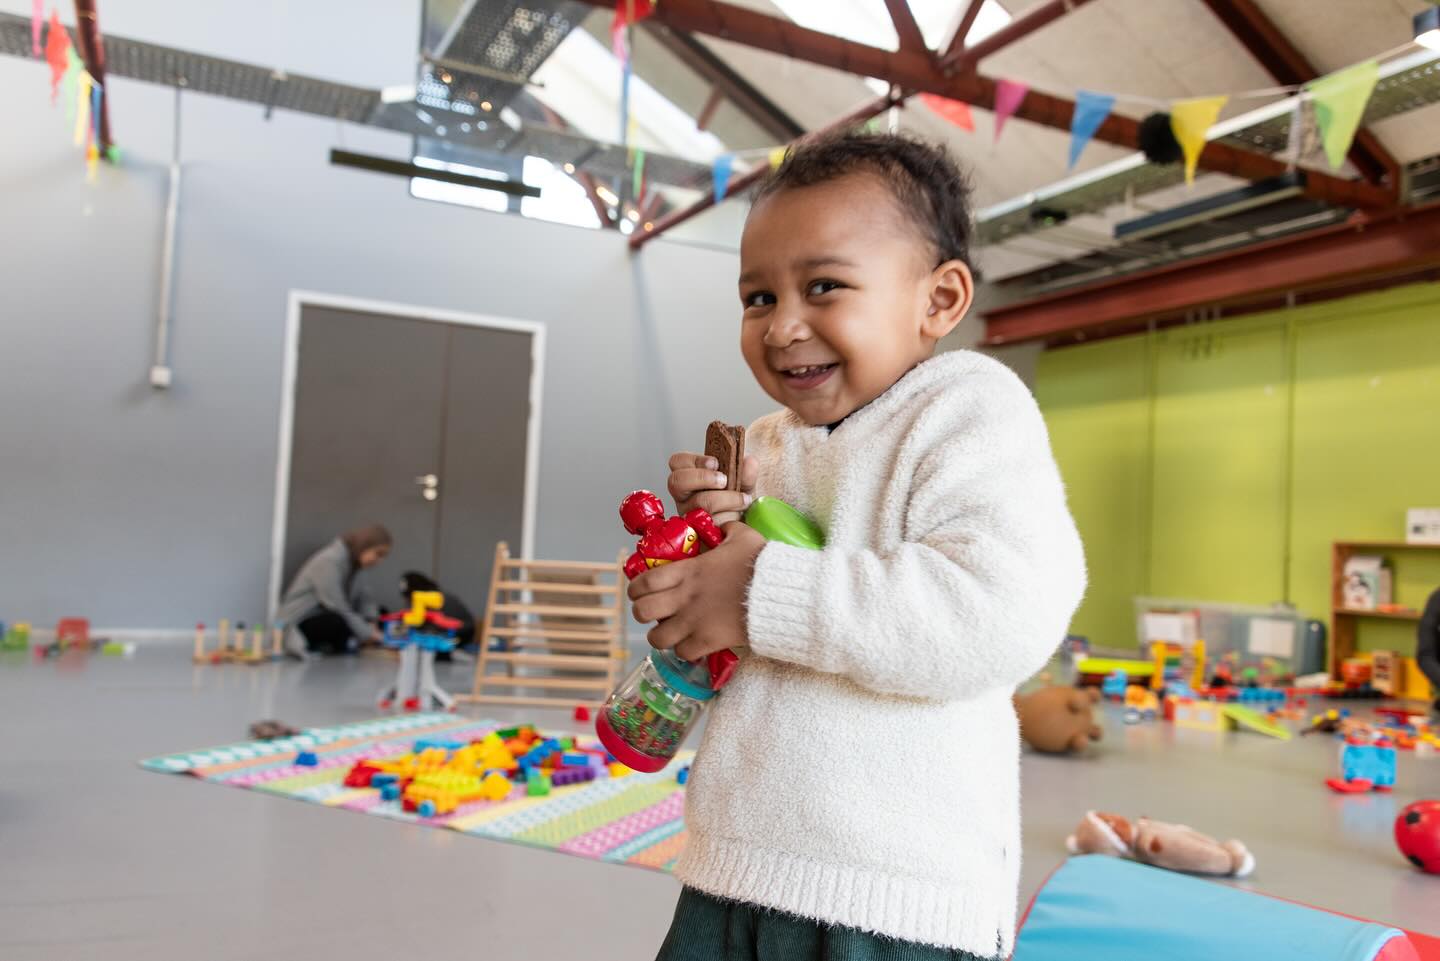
[
  {"x": 1190, "y": 121},
  {"x": 1091, "y": 109},
  {"x": 68, "y": 86},
  {"x": 1303, "y": 144},
  {"x": 37, "y": 17},
  {"x": 1340, "y": 100},
  {"x": 721, "y": 173},
  {"x": 57, "y": 54},
  {"x": 777, "y": 157},
  {"x": 627, "y": 12},
  {"x": 955, "y": 111},
  {"x": 639, "y": 179},
  {"x": 1009, "y": 94}
]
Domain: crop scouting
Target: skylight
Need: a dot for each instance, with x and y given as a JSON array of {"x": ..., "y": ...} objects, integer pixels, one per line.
[{"x": 868, "y": 22}]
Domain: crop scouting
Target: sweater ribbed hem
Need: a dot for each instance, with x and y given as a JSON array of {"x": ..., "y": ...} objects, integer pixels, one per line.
[
  {"x": 781, "y": 602},
  {"x": 977, "y": 920}
]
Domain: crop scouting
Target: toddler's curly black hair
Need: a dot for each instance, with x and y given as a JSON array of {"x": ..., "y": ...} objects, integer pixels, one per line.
[{"x": 926, "y": 182}]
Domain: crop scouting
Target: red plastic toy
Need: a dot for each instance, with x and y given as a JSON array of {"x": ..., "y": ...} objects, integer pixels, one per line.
[
  {"x": 1417, "y": 834},
  {"x": 663, "y": 540}
]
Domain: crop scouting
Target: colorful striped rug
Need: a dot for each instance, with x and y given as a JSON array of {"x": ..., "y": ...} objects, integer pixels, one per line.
[{"x": 637, "y": 819}]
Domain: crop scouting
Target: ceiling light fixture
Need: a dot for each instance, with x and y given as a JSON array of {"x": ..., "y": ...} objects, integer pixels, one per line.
[
  {"x": 485, "y": 105},
  {"x": 1427, "y": 28}
]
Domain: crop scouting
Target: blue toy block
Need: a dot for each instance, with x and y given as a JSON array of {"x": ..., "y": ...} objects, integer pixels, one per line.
[
  {"x": 683, "y": 774},
  {"x": 426, "y": 809},
  {"x": 380, "y": 780},
  {"x": 306, "y": 759},
  {"x": 1115, "y": 684},
  {"x": 575, "y": 759},
  {"x": 390, "y": 792},
  {"x": 427, "y": 743},
  {"x": 1368, "y": 762}
]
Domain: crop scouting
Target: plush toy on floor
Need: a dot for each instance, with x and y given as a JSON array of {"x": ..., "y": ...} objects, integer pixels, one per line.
[
  {"x": 1058, "y": 720},
  {"x": 1171, "y": 846}
]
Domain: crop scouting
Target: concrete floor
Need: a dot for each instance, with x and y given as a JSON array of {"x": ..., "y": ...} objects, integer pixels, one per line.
[{"x": 99, "y": 859}]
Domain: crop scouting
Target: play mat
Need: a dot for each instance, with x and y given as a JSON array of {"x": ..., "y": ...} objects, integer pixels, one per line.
[{"x": 636, "y": 819}]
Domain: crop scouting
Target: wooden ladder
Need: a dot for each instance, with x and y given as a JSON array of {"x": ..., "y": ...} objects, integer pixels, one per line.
[{"x": 560, "y": 623}]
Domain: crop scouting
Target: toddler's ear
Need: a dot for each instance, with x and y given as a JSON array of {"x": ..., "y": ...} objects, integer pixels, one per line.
[{"x": 952, "y": 289}]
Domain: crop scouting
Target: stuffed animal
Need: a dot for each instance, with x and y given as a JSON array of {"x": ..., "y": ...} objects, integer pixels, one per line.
[
  {"x": 1056, "y": 720},
  {"x": 1171, "y": 846}
]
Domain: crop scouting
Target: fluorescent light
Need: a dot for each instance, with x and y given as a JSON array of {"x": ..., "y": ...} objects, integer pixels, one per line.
[{"x": 1427, "y": 28}]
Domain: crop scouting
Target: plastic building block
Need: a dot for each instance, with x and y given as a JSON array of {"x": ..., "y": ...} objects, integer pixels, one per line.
[
  {"x": 537, "y": 786},
  {"x": 428, "y": 743},
  {"x": 380, "y": 779},
  {"x": 618, "y": 770},
  {"x": 582, "y": 713},
  {"x": 683, "y": 775},
  {"x": 575, "y": 759},
  {"x": 390, "y": 792},
  {"x": 426, "y": 809},
  {"x": 306, "y": 759},
  {"x": 496, "y": 786}
]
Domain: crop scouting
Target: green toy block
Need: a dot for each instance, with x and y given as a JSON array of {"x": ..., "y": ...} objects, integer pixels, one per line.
[{"x": 537, "y": 784}]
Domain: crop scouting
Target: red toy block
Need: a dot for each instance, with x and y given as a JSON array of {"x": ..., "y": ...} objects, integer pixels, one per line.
[
  {"x": 582, "y": 713},
  {"x": 72, "y": 631}
]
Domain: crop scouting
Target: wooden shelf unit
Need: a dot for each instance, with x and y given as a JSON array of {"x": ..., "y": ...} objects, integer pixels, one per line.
[{"x": 1344, "y": 621}]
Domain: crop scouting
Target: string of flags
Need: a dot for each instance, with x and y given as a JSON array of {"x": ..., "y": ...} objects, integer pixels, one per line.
[{"x": 83, "y": 96}]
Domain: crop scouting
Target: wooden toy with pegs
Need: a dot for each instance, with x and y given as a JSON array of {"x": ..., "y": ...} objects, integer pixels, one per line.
[{"x": 241, "y": 646}]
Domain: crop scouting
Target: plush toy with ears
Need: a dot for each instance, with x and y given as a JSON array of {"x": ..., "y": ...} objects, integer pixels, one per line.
[
  {"x": 1057, "y": 720},
  {"x": 1171, "y": 846}
]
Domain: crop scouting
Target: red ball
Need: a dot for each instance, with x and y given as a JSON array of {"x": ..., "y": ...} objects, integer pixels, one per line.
[{"x": 1417, "y": 833}]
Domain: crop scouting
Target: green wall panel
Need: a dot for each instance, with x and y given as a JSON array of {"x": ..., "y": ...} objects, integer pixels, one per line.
[
  {"x": 1096, "y": 406},
  {"x": 1367, "y": 442},
  {"x": 1220, "y": 462},
  {"x": 1217, "y": 529}
]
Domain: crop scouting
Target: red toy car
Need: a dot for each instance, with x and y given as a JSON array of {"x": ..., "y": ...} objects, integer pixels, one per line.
[{"x": 1417, "y": 833}]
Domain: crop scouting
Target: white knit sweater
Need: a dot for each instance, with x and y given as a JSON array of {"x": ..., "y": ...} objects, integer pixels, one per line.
[{"x": 862, "y": 766}]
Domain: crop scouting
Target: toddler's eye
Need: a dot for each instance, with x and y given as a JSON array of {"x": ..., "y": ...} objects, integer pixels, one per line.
[
  {"x": 760, "y": 298},
  {"x": 819, "y": 287}
]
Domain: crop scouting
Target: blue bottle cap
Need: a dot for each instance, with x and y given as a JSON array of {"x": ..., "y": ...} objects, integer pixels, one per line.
[{"x": 692, "y": 680}]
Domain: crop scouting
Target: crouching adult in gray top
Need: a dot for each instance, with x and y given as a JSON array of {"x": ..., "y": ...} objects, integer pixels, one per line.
[{"x": 326, "y": 609}]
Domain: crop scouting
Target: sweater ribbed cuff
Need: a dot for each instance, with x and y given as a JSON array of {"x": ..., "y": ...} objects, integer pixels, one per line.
[
  {"x": 969, "y": 917},
  {"x": 780, "y": 606}
]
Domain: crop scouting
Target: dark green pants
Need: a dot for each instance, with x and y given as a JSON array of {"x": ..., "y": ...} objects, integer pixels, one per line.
[{"x": 712, "y": 929}]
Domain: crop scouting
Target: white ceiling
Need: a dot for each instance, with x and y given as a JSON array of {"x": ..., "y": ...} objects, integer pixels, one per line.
[{"x": 1160, "y": 49}]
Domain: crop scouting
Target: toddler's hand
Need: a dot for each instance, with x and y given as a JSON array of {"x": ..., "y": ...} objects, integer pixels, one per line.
[
  {"x": 695, "y": 482},
  {"x": 700, "y": 601}
]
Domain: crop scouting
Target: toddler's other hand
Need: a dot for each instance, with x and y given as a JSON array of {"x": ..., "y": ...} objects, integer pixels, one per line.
[
  {"x": 696, "y": 482},
  {"x": 700, "y": 601}
]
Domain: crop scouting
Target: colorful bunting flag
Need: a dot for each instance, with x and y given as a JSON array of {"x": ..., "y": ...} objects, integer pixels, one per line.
[
  {"x": 1091, "y": 109},
  {"x": 1340, "y": 100},
  {"x": 57, "y": 54},
  {"x": 721, "y": 174},
  {"x": 92, "y": 133},
  {"x": 777, "y": 157},
  {"x": 1190, "y": 121},
  {"x": 637, "y": 187},
  {"x": 1009, "y": 94},
  {"x": 37, "y": 17},
  {"x": 955, "y": 111}
]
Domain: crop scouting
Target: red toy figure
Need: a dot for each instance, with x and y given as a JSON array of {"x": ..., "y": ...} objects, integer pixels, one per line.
[{"x": 664, "y": 540}]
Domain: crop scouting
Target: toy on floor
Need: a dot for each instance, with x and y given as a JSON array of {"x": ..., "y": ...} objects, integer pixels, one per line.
[
  {"x": 240, "y": 646},
  {"x": 1367, "y": 763},
  {"x": 1115, "y": 685},
  {"x": 16, "y": 637},
  {"x": 1417, "y": 834},
  {"x": 1141, "y": 704},
  {"x": 1174, "y": 847},
  {"x": 419, "y": 634},
  {"x": 270, "y": 730},
  {"x": 1058, "y": 720},
  {"x": 651, "y": 712},
  {"x": 437, "y": 777}
]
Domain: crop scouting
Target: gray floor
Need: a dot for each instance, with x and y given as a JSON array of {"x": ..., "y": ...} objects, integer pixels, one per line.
[{"x": 99, "y": 859}]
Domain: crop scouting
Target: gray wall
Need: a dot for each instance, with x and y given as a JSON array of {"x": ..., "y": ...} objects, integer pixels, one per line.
[{"x": 140, "y": 508}]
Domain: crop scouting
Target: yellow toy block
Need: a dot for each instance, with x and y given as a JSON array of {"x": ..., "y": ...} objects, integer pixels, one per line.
[
  {"x": 420, "y": 602},
  {"x": 496, "y": 786},
  {"x": 1200, "y": 715},
  {"x": 618, "y": 770}
]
